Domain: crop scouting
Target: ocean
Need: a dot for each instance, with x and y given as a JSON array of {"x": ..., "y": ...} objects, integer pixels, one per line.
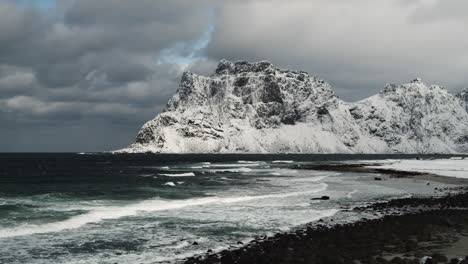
[{"x": 150, "y": 208}]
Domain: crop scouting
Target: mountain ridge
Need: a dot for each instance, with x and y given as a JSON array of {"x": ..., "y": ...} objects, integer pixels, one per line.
[{"x": 256, "y": 107}]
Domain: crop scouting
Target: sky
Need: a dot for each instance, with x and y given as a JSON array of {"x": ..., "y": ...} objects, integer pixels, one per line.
[{"x": 85, "y": 75}]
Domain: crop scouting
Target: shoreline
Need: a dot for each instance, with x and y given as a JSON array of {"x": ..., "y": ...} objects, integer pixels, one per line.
[
  {"x": 406, "y": 230},
  {"x": 392, "y": 173}
]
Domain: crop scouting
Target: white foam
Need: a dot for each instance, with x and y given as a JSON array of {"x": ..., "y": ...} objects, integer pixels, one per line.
[
  {"x": 182, "y": 244},
  {"x": 185, "y": 174},
  {"x": 114, "y": 212},
  {"x": 252, "y": 163},
  {"x": 164, "y": 168},
  {"x": 282, "y": 161},
  {"x": 232, "y": 170},
  {"x": 230, "y": 165},
  {"x": 281, "y": 172},
  {"x": 350, "y": 194},
  {"x": 169, "y": 184},
  {"x": 196, "y": 167}
]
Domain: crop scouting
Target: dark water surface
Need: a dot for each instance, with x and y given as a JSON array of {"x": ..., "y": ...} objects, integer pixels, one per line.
[{"x": 146, "y": 208}]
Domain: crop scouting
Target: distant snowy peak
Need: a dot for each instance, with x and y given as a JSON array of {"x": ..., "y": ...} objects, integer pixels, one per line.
[
  {"x": 414, "y": 117},
  {"x": 256, "y": 107}
]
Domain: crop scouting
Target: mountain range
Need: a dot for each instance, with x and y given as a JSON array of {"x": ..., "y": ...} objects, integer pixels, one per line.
[{"x": 256, "y": 107}]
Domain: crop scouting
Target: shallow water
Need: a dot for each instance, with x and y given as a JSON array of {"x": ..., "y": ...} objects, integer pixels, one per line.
[{"x": 102, "y": 208}]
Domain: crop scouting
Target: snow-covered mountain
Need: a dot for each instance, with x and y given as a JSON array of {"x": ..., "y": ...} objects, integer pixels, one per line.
[
  {"x": 463, "y": 95},
  {"x": 258, "y": 108}
]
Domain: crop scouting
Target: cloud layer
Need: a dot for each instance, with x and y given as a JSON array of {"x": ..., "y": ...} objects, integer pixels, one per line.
[
  {"x": 357, "y": 45},
  {"x": 85, "y": 64},
  {"x": 84, "y": 75}
]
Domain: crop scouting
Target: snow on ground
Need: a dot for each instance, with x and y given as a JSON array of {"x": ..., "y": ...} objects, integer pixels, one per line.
[{"x": 454, "y": 167}]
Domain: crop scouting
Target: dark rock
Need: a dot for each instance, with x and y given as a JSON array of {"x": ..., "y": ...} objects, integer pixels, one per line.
[
  {"x": 321, "y": 198},
  {"x": 321, "y": 111},
  {"x": 241, "y": 81},
  {"x": 397, "y": 260},
  {"x": 439, "y": 257},
  {"x": 377, "y": 178},
  {"x": 430, "y": 261},
  {"x": 271, "y": 91},
  {"x": 195, "y": 243}
]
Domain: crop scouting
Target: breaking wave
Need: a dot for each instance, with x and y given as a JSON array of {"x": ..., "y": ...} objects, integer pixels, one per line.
[
  {"x": 185, "y": 174},
  {"x": 350, "y": 194},
  {"x": 114, "y": 212}
]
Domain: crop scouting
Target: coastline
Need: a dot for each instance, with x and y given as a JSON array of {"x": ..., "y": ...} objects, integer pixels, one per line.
[
  {"x": 383, "y": 172},
  {"x": 413, "y": 228},
  {"x": 398, "y": 231}
]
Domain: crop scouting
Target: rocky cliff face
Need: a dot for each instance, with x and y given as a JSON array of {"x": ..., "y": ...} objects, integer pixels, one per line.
[
  {"x": 463, "y": 96},
  {"x": 258, "y": 108}
]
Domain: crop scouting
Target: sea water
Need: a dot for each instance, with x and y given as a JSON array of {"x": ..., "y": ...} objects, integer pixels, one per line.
[{"x": 105, "y": 208}]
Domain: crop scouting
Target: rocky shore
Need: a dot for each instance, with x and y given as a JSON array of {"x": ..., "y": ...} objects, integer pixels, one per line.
[{"x": 411, "y": 229}]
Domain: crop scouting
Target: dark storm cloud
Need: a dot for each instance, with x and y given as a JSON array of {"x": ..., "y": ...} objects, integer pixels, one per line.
[
  {"x": 84, "y": 75},
  {"x": 123, "y": 12},
  {"x": 95, "y": 35},
  {"x": 14, "y": 81},
  {"x": 90, "y": 63}
]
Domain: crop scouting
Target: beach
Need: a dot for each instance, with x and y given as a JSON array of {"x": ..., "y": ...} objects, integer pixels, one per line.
[{"x": 409, "y": 229}]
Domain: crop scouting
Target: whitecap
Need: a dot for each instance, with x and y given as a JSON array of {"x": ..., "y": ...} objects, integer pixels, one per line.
[
  {"x": 250, "y": 162},
  {"x": 169, "y": 184},
  {"x": 182, "y": 244},
  {"x": 114, "y": 212},
  {"x": 232, "y": 170},
  {"x": 350, "y": 194},
  {"x": 282, "y": 161},
  {"x": 185, "y": 174},
  {"x": 230, "y": 165}
]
